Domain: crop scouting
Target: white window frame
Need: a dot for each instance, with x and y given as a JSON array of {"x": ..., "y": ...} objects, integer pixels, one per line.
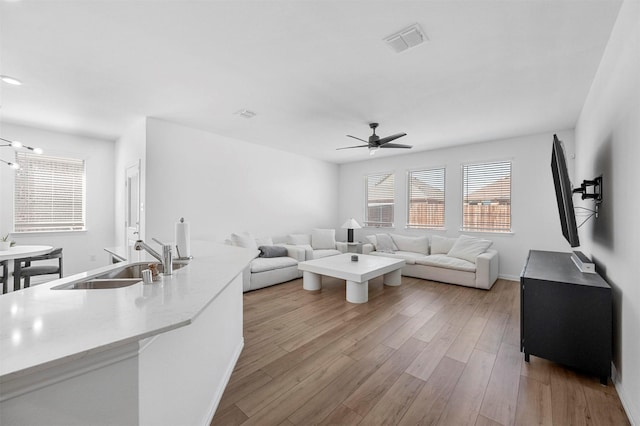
[
  {"x": 49, "y": 194},
  {"x": 430, "y": 170},
  {"x": 497, "y": 167},
  {"x": 378, "y": 224}
]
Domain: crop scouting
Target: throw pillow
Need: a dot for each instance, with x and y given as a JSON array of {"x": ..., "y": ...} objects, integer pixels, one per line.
[
  {"x": 468, "y": 248},
  {"x": 393, "y": 245},
  {"x": 414, "y": 244},
  {"x": 245, "y": 240},
  {"x": 322, "y": 239},
  {"x": 272, "y": 251},
  {"x": 299, "y": 239},
  {"x": 385, "y": 243},
  {"x": 372, "y": 239},
  {"x": 441, "y": 245}
]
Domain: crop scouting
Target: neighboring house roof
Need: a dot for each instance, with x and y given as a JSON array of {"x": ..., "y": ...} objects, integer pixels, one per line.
[
  {"x": 424, "y": 190},
  {"x": 497, "y": 190}
]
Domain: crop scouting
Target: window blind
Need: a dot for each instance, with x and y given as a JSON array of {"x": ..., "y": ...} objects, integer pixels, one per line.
[
  {"x": 49, "y": 194},
  {"x": 487, "y": 197},
  {"x": 380, "y": 199},
  {"x": 426, "y": 198}
]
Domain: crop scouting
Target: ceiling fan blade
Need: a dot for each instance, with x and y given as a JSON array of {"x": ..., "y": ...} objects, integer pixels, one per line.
[
  {"x": 390, "y": 138},
  {"x": 349, "y": 136},
  {"x": 357, "y": 146},
  {"x": 395, "y": 145}
]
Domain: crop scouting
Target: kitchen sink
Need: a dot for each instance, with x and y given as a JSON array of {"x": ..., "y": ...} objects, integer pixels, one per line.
[
  {"x": 130, "y": 271},
  {"x": 116, "y": 278},
  {"x": 99, "y": 284}
]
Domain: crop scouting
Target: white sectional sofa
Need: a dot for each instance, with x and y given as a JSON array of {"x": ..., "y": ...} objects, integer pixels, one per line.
[
  {"x": 277, "y": 262},
  {"x": 465, "y": 260}
]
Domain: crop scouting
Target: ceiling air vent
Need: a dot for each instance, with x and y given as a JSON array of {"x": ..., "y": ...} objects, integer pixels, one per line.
[{"x": 406, "y": 39}]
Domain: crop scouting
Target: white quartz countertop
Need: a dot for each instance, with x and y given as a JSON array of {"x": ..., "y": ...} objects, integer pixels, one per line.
[{"x": 41, "y": 327}]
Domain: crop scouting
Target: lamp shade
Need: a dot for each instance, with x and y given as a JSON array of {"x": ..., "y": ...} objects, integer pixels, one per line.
[{"x": 351, "y": 223}]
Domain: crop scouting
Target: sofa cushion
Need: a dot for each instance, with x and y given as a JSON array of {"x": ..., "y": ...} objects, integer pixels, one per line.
[
  {"x": 373, "y": 239},
  {"x": 262, "y": 264},
  {"x": 441, "y": 245},
  {"x": 245, "y": 240},
  {"x": 385, "y": 243},
  {"x": 415, "y": 244},
  {"x": 410, "y": 257},
  {"x": 318, "y": 254},
  {"x": 299, "y": 239},
  {"x": 448, "y": 262},
  {"x": 323, "y": 239},
  {"x": 273, "y": 251},
  {"x": 468, "y": 248}
]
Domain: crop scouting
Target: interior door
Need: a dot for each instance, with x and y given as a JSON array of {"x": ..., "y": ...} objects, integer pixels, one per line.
[{"x": 133, "y": 206}]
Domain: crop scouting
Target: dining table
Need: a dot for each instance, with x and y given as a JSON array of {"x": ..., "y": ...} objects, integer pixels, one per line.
[{"x": 18, "y": 252}]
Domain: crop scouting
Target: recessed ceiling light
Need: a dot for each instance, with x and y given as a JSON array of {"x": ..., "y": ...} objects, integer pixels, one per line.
[
  {"x": 246, "y": 113},
  {"x": 10, "y": 80}
]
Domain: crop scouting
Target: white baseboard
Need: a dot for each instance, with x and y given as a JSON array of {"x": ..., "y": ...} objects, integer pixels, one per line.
[
  {"x": 509, "y": 277},
  {"x": 227, "y": 376},
  {"x": 634, "y": 417}
]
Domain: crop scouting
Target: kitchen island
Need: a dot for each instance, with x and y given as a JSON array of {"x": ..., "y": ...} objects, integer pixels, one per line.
[{"x": 146, "y": 354}]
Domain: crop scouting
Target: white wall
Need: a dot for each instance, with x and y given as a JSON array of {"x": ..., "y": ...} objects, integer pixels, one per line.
[
  {"x": 535, "y": 221},
  {"x": 608, "y": 143},
  {"x": 83, "y": 250},
  {"x": 129, "y": 149},
  {"x": 223, "y": 185}
]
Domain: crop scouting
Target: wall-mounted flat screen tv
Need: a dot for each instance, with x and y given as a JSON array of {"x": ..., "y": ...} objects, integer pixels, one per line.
[{"x": 564, "y": 193}]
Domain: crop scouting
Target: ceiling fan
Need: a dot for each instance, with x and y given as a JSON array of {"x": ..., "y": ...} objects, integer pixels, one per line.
[{"x": 375, "y": 142}]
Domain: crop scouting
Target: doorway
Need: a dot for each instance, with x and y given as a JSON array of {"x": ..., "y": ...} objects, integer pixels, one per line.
[{"x": 133, "y": 205}]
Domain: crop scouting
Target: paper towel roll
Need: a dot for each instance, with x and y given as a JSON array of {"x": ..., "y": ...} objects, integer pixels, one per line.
[{"x": 183, "y": 239}]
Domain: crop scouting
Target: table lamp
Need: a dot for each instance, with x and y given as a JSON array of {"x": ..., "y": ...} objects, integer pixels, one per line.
[{"x": 350, "y": 225}]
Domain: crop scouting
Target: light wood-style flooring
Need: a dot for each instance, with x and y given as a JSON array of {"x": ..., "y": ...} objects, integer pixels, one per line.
[{"x": 421, "y": 353}]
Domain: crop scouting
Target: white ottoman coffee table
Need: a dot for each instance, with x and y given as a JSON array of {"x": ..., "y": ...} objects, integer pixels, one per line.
[{"x": 357, "y": 274}]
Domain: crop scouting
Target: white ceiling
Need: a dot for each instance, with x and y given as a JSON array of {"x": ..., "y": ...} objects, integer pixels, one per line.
[{"x": 313, "y": 71}]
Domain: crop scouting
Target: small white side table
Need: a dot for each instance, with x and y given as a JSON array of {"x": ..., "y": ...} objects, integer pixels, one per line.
[{"x": 355, "y": 247}]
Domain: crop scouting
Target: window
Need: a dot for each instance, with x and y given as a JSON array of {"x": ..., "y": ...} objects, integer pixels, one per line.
[
  {"x": 426, "y": 198},
  {"x": 380, "y": 200},
  {"x": 486, "y": 195},
  {"x": 49, "y": 194}
]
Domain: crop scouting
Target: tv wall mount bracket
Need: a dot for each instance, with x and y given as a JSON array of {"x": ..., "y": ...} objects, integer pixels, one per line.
[{"x": 595, "y": 195}]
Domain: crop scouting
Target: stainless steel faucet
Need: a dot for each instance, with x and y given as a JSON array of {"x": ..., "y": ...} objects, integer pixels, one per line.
[{"x": 166, "y": 259}]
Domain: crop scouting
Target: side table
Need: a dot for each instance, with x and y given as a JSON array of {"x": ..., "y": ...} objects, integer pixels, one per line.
[{"x": 355, "y": 247}]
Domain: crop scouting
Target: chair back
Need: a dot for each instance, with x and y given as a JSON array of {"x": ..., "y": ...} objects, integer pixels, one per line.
[
  {"x": 23, "y": 268},
  {"x": 53, "y": 254}
]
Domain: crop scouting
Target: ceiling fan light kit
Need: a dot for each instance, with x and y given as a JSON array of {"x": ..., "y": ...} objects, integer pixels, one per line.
[
  {"x": 17, "y": 145},
  {"x": 375, "y": 142}
]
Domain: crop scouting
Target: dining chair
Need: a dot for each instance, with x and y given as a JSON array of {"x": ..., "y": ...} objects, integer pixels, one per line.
[
  {"x": 5, "y": 275},
  {"x": 23, "y": 268}
]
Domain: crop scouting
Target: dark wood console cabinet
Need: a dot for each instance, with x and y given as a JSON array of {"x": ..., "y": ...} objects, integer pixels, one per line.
[{"x": 565, "y": 314}]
